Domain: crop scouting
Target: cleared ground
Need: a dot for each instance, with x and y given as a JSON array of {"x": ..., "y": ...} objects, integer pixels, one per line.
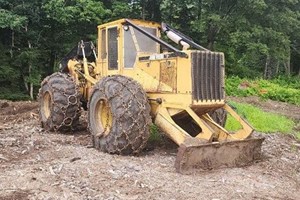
[{"x": 35, "y": 164}]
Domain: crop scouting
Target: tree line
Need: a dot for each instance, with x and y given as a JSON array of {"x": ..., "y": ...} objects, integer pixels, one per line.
[{"x": 260, "y": 38}]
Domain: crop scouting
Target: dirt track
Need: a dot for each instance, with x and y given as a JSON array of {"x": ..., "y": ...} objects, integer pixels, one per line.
[{"x": 35, "y": 164}]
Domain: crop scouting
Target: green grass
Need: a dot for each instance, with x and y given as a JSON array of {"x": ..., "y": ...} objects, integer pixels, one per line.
[
  {"x": 155, "y": 135},
  {"x": 232, "y": 124},
  {"x": 285, "y": 89},
  {"x": 15, "y": 97},
  {"x": 298, "y": 135},
  {"x": 260, "y": 120}
]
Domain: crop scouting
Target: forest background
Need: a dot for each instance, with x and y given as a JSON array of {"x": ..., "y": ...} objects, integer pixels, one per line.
[{"x": 260, "y": 38}]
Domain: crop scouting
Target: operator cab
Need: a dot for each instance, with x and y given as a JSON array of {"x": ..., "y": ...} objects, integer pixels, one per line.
[
  {"x": 116, "y": 51},
  {"x": 123, "y": 42}
]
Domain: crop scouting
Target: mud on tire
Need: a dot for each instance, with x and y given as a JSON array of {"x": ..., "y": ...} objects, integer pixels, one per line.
[
  {"x": 122, "y": 103},
  {"x": 219, "y": 116},
  {"x": 59, "y": 101}
]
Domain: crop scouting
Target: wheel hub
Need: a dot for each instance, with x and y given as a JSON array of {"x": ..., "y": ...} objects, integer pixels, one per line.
[
  {"x": 47, "y": 104},
  {"x": 103, "y": 116}
]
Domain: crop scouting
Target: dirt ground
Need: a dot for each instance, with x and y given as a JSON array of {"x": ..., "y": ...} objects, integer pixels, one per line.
[{"x": 35, "y": 164}]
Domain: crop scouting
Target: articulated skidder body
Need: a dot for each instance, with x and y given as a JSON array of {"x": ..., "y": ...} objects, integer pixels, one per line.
[{"x": 134, "y": 77}]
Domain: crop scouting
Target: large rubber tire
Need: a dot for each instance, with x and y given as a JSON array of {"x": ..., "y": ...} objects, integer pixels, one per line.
[
  {"x": 59, "y": 101},
  {"x": 119, "y": 115},
  {"x": 219, "y": 116}
]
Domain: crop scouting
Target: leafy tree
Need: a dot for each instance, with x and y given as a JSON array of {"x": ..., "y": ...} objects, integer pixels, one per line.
[
  {"x": 256, "y": 35},
  {"x": 41, "y": 32},
  {"x": 260, "y": 38}
]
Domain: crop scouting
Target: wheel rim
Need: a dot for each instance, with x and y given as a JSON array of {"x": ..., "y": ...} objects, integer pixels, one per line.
[
  {"x": 47, "y": 104},
  {"x": 103, "y": 117}
]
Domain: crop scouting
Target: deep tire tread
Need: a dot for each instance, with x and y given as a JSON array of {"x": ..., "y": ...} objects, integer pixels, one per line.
[
  {"x": 64, "y": 114},
  {"x": 131, "y": 115}
]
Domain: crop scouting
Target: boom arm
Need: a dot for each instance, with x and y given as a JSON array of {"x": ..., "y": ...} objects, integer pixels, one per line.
[{"x": 180, "y": 38}]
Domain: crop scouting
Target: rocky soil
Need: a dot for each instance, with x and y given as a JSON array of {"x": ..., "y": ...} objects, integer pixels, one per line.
[{"x": 35, "y": 164}]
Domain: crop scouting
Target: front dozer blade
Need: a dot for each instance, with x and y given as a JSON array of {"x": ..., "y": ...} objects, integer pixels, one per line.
[{"x": 236, "y": 153}]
